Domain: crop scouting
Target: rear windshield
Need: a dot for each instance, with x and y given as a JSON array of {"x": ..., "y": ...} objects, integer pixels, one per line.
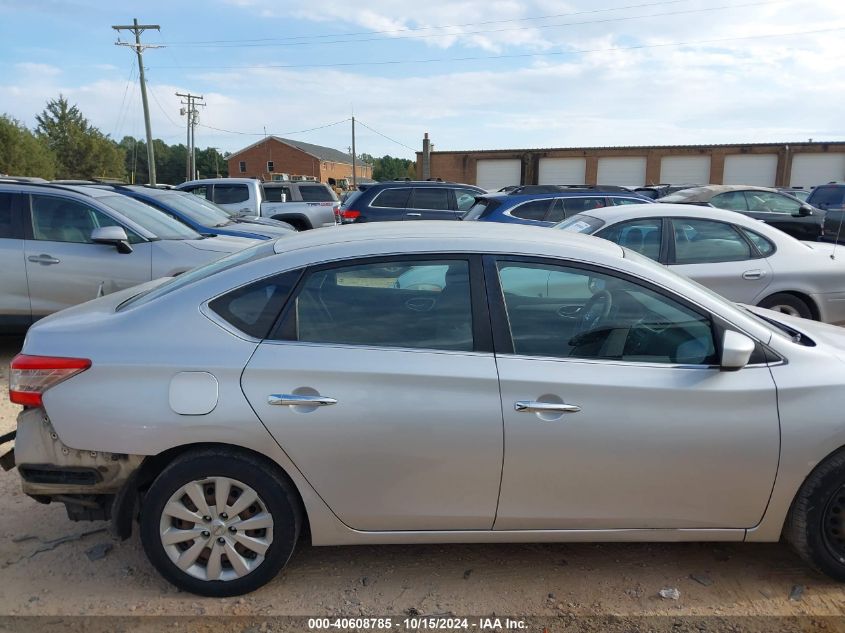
[
  {"x": 316, "y": 193},
  {"x": 830, "y": 196},
  {"x": 580, "y": 223},
  {"x": 251, "y": 254},
  {"x": 159, "y": 224},
  {"x": 481, "y": 209}
]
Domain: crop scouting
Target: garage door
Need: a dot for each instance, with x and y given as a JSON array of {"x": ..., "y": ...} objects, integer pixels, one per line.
[
  {"x": 751, "y": 169},
  {"x": 493, "y": 174},
  {"x": 809, "y": 170},
  {"x": 562, "y": 171},
  {"x": 629, "y": 172},
  {"x": 683, "y": 170}
]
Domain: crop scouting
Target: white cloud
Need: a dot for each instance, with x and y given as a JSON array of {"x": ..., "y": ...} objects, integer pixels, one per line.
[{"x": 34, "y": 68}]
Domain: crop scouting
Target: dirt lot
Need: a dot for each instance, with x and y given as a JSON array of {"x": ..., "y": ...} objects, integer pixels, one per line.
[{"x": 40, "y": 575}]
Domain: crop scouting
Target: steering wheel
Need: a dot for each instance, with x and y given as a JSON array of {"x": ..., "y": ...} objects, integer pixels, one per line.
[{"x": 596, "y": 310}]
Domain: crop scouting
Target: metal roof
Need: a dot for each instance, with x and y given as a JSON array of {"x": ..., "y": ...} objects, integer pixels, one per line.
[
  {"x": 317, "y": 151},
  {"x": 705, "y": 146}
]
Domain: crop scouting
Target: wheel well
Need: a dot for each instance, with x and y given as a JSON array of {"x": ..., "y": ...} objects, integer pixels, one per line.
[
  {"x": 814, "y": 309},
  {"x": 834, "y": 453},
  {"x": 153, "y": 465},
  {"x": 297, "y": 222}
]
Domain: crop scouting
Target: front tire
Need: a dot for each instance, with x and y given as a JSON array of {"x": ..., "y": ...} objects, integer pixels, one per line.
[
  {"x": 219, "y": 523},
  {"x": 789, "y": 304},
  {"x": 815, "y": 526}
]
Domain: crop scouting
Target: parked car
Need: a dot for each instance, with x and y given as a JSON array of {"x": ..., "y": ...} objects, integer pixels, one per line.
[
  {"x": 618, "y": 387},
  {"x": 737, "y": 256},
  {"x": 787, "y": 213},
  {"x": 801, "y": 194},
  {"x": 830, "y": 198},
  {"x": 409, "y": 200},
  {"x": 546, "y": 205},
  {"x": 658, "y": 191},
  {"x": 62, "y": 245},
  {"x": 303, "y": 204},
  {"x": 206, "y": 217}
]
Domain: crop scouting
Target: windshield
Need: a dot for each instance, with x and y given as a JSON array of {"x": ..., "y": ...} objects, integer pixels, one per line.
[
  {"x": 259, "y": 251},
  {"x": 580, "y": 223},
  {"x": 156, "y": 222},
  {"x": 199, "y": 211}
]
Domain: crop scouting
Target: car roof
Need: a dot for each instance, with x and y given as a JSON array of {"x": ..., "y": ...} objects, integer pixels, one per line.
[
  {"x": 563, "y": 193},
  {"x": 480, "y": 237},
  {"x": 420, "y": 183},
  {"x": 703, "y": 194},
  {"x": 614, "y": 214},
  {"x": 84, "y": 190}
]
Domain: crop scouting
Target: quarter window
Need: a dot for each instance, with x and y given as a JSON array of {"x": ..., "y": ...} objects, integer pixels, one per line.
[
  {"x": 431, "y": 198},
  {"x": 411, "y": 304},
  {"x": 642, "y": 236},
  {"x": 705, "y": 241},
  {"x": 392, "y": 198},
  {"x": 763, "y": 245},
  {"x": 566, "y": 312},
  {"x": 254, "y": 308},
  {"x": 534, "y": 210}
]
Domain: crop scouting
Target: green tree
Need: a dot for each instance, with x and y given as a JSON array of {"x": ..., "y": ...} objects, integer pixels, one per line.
[
  {"x": 22, "y": 153},
  {"x": 81, "y": 150},
  {"x": 389, "y": 168}
]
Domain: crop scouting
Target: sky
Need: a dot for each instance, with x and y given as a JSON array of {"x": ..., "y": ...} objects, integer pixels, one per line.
[{"x": 474, "y": 74}]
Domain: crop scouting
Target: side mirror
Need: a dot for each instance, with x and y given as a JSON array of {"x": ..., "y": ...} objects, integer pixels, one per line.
[
  {"x": 736, "y": 350},
  {"x": 114, "y": 236},
  {"x": 804, "y": 210}
]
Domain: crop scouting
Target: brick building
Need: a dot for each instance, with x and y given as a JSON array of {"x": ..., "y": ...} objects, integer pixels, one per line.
[
  {"x": 765, "y": 164},
  {"x": 273, "y": 157}
]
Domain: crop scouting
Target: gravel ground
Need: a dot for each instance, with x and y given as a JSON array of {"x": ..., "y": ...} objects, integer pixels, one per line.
[{"x": 45, "y": 570}]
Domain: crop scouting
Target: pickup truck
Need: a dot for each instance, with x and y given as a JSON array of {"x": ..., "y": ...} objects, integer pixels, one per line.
[{"x": 303, "y": 204}]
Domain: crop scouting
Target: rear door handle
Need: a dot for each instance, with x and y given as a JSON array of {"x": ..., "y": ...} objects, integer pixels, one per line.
[
  {"x": 753, "y": 274},
  {"x": 296, "y": 400},
  {"x": 44, "y": 259},
  {"x": 528, "y": 406},
  {"x": 413, "y": 215}
]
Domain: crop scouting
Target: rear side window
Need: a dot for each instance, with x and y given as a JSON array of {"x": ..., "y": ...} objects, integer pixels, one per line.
[
  {"x": 392, "y": 199},
  {"x": 534, "y": 210},
  {"x": 274, "y": 194},
  {"x": 431, "y": 198},
  {"x": 643, "y": 236},
  {"x": 253, "y": 309},
  {"x": 706, "y": 241},
  {"x": 7, "y": 221},
  {"x": 763, "y": 245},
  {"x": 316, "y": 193},
  {"x": 579, "y": 205},
  {"x": 230, "y": 194}
]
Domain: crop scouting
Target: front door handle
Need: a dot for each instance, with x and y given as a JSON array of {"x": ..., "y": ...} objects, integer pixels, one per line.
[
  {"x": 44, "y": 259},
  {"x": 296, "y": 400},
  {"x": 753, "y": 274},
  {"x": 527, "y": 406}
]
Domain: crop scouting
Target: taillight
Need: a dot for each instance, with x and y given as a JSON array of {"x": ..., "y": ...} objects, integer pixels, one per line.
[
  {"x": 350, "y": 215},
  {"x": 31, "y": 376}
]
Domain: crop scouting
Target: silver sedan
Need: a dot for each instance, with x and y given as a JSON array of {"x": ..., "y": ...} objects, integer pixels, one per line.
[
  {"x": 302, "y": 383},
  {"x": 743, "y": 259}
]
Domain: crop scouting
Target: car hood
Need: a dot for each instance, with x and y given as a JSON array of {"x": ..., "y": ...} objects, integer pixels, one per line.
[
  {"x": 222, "y": 243},
  {"x": 271, "y": 229},
  {"x": 254, "y": 219}
]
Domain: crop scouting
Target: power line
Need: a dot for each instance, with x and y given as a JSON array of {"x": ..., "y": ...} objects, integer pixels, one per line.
[
  {"x": 584, "y": 51},
  {"x": 320, "y": 127},
  {"x": 502, "y": 30},
  {"x": 430, "y": 28},
  {"x": 384, "y": 135},
  {"x": 163, "y": 111}
]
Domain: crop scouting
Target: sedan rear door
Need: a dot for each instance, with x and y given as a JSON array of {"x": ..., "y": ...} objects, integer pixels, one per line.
[{"x": 15, "y": 310}]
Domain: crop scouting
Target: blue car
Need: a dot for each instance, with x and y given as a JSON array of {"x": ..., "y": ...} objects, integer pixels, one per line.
[
  {"x": 203, "y": 216},
  {"x": 546, "y": 205}
]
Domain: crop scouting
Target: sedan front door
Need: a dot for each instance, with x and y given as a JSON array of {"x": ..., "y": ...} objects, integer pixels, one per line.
[
  {"x": 617, "y": 415},
  {"x": 385, "y": 396}
]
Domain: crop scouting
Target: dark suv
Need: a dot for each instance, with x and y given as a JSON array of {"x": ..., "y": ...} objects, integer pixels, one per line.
[
  {"x": 409, "y": 200},
  {"x": 830, "y": 198}
]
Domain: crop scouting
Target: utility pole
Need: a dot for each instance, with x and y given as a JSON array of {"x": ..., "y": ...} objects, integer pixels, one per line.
[
  {"x": 216, "y": 155},
  {"x": 139, "y": 50},
  {"x": 191, "y": 101},
  {"x": 354, "y": 177}
]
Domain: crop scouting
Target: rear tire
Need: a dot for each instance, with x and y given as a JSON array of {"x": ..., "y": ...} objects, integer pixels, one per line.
[
  {"x": 200, "y": 548},
  {"x": 815, "y": 526},
  {"x": 787, "y": 304}
]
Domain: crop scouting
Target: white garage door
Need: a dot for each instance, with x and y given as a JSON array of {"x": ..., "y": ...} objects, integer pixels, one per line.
[
  {"x": 562, "y": 171},
  {"x": 495, "y": 173},
  {"x": 683, "y": 170},
  {"x": 809, "y": 170},
  {"x": 751, "y": 169},
  {"x": 628, "y": 171}
]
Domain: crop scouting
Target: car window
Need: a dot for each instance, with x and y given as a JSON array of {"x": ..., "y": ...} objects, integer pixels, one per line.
[
  {"x": 368, "y": 305},
  {"x": 481, "y": 209},
  {"x": 731, "y": 200},
  {"x": 197, "y": 190},
  {"x": 592, "y": 315},
  {"x": 827, "y": 197},
  {"x": 770, "y": 202},
  {"x": 763, "y": 245},
  {"x": 56, "y": 219},
  {"x": 254, "y": 308},
  {"x": 579, "y": 205},
  {"x": 533, "y": 210},
  {"x": 433, "y": 198},
  {"x": 643, "y": 236},
  {"x": 230, "y": 194},
  {"x": 316, "y": 193},
  {"x": 465, "y": 198},
  {"x": 7, "y": 224},
  {"x": 556, "y": 213},
  {"x": 706, "y": 241},
  {"x": 274, "y": 194},
  {"x": 159, "y": 224},
  {"x": 621, "y": 201},
  {"x": 350, "y": 199},
  {"x": 392, "y": 198},
  {"x": 202, "y": 212}
]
